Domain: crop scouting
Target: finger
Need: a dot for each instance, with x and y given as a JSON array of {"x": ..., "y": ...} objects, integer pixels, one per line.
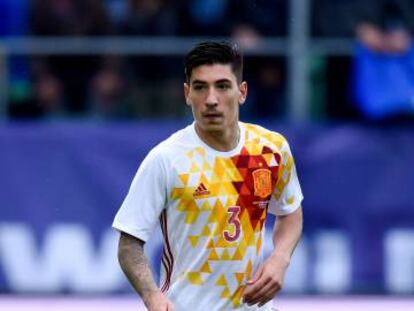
[
  {"x": 260, "y": 301},
  {"x": 258, "y": 295},
  {"x": 269, "y": 287},
  {"x": 268, "y": 295},
  {"x": 170, "y": 306},
  {"x": 257, "y": 275},
  {"x": 254, "y": 287}
]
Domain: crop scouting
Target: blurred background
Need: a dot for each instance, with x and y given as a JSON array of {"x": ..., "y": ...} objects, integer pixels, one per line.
[{"x": 88, "y": 87}]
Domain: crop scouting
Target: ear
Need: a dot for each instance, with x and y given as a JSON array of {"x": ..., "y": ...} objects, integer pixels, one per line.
[
  {"x": 243, "y": 92},
  {"x": 186, "y": 93}
]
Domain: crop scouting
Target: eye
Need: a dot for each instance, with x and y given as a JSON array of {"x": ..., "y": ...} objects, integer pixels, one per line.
[
  {"x": 198, "y": 87},
  {"x": 223, "y": 86}
]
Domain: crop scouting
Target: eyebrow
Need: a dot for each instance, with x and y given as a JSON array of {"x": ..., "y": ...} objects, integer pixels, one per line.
[{"x": 218, "y": 81}]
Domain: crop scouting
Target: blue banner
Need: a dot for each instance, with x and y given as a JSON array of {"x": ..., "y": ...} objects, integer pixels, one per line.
[{"x": 62, "y": 183}]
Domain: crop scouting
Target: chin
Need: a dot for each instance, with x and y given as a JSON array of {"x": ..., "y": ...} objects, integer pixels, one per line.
[{"x": 213, "y": 127}]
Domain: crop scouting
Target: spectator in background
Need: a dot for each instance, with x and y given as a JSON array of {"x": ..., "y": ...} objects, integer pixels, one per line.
[
  {"x": 117, "y": 11},
  {"x": 107, "y": 99},
  {"x": 255, "y": 19},
  {"x": 150, "y": 17},
  {"x": 68, "y": 78},
  {"x": 384, "y": 60},
  {"x": 384, "y": 26},
  {"x": 204, "y": 18},
  {"x": 251, "y": 21},
  {"x": 154, "y": 80},
  {"x": 49, "y": 98}
]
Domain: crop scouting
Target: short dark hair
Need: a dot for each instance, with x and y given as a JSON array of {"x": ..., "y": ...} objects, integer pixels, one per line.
[{"x": 212, "y": 52}]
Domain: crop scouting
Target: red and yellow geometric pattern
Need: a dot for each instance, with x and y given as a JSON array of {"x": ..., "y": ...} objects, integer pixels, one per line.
[{"x": 228, "y": 219}]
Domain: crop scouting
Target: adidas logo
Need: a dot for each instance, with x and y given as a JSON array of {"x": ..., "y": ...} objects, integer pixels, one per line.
[{"x": 200, "y": 191}]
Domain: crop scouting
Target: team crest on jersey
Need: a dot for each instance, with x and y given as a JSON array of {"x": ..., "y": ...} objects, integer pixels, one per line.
[{"x": 262, "y": 179}]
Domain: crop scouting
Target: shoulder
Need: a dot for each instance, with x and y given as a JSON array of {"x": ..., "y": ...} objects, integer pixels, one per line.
[
  {"x": 173, "y": 146},
  {"x": 259, "y": 134}
]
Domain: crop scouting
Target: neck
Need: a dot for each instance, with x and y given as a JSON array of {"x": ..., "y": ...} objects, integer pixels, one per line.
[{"x": 225, "y": 140}]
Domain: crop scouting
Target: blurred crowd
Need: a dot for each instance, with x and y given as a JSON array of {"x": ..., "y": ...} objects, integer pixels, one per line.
[
  {"x": 377, "y": 82},
  {"x": 111, "y": 86}
]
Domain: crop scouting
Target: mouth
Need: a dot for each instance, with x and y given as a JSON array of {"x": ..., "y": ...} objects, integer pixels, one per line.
[
  {"x": 212, "y": 115},
  {"x": 213, "y": 118}
]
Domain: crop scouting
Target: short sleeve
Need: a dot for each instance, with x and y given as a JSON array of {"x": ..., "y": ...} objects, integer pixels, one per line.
[
  {"x": 287, "y": 195},
  {"x": 146, "y": 198}
]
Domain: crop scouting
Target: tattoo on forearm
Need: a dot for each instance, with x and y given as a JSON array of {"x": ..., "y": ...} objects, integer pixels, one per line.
[{"x": 135, "y": 265}]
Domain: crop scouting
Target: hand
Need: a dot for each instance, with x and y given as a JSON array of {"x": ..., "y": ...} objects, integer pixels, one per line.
[
  {"x": 371, "y": 36},
  {"x": 156, "y": 301},
  {"x": 267, "y": 281}
]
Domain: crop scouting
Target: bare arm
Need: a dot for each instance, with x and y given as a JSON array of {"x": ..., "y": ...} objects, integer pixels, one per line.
[
  {"x": 286, "y": 235},
  {"x": 135, "y": 266},
  {"x": 268, "y": 279}
]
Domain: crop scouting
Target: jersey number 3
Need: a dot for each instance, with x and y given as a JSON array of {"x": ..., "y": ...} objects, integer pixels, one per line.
[{"x": 235, "y": 222}]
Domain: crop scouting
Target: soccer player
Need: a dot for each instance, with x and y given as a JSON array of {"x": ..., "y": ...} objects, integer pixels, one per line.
[{"x": 211, "y": 185}]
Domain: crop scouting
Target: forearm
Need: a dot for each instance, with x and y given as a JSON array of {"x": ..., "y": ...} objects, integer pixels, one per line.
[
  {"x": 286, "y": 235},
  {"x": 268, "y": 279},
  {"x": 135, "y": 265}
]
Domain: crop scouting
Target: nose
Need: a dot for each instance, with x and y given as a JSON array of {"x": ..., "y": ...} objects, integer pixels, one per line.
[{"x": 211, "y": 99}]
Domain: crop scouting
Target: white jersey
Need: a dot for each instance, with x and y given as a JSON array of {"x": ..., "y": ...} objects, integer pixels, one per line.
[{"x": 212, "y": 207}]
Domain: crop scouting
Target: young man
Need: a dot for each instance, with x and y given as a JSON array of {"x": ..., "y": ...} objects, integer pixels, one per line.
[{"x": 211, "y": 186}]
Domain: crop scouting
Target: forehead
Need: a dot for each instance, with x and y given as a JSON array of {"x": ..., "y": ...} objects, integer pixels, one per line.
[{"x": 211, "y": 73}]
